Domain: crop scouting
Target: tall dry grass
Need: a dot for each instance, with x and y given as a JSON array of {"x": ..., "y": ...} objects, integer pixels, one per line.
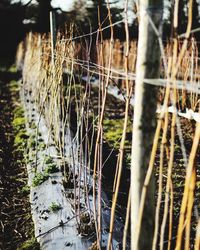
[{"x": 63, "y": 98}]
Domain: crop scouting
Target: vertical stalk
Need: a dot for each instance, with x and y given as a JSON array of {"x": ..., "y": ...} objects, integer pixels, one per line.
[
  {"x": 126, "y": 221},
  {"x": 148, "y": 64},
  {"x": 185, "y": 198},
  {"x": 99, "y": 130},
  {"x": 197, "y": 238},
  {"x": 122, "y": 143},
  {"x": 189, "y": 208},
  {"x": 53, "y": 34}
]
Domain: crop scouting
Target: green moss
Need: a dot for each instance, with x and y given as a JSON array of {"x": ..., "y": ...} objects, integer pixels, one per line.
[
  {"x": 21, "y": 139},
  {"x": 33, "y": 126},
  {"x": 31, "y": 244},
  {"x": 20, "y": 143},
  {"x": 52, "y": 168},
  {"x": 18, "y": 112},
  {"x": 42, "y": 145},
  {"x": 39, "y": 178},
  {"x": 32, "y": 144},
  {"x": 14, "y": 86},
  {"x": 26, "y": 190},
  {"x": 19, "y": 123},
  {"x": 48, "y": 160},
  {"x": 128, "y": 160},
  {"x": 114, "y": 136},
  {"x": 12, "y": 69},
  {"x": 54, "y": 207},
  {"x": 198, "y": 184},
  {"x": 113, "y": 130}
]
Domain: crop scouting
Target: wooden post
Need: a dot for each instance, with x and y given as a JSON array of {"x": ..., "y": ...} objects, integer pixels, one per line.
[
  {"x": 53, "y": 34},
  {"x": 144, "y": 121}
]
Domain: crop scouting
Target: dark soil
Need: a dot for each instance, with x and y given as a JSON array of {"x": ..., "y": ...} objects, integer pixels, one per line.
[
  {"x": 113, "y": 119},
  {"x": 178, "y": 179},
  {"x": 113, "y": 126},
  {"x": 15, "y": 218}
]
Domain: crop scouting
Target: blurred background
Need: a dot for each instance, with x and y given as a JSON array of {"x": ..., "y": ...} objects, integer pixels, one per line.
[{"x": 19, "y": 17}]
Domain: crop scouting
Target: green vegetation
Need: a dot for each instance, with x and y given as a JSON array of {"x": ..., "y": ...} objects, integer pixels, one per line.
[
  {"x": 48, "y": 160},
  {"x": 12, "y": 69},
  {"x": 33, "y": 126},
  {"x": 113, "y": 131},
  {"x": 26, "y": 190},
  {"x": 39, "y": 179},
  {"x": 42, "y": 145},
  {"x": 51, "y": 168},
  {"x": 17, "y": 136},
  {"x": 128, "y": 160},
  {"x": 30, "y": 244},
  {"x": 14, "y": 86},
  {"x": 18, "y": 112},
  {"x": 20, "y": 140},
  {"x": 54, "y": 207},
  {"x": 198, "y": 184},
  {"x": 19, "y": 122},
  {"x": 32, "y": 144}
]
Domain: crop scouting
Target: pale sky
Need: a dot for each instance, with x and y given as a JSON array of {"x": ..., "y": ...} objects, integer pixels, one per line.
[
  {"x": 64, "y": 4},
  {"x": 67, "y": 5}
]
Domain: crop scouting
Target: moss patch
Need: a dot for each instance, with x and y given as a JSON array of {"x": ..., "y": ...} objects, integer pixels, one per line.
[
  {"x": 21, "y": 139},
  {"x": 39, "y": 178},
  {"x": 19, "y": 122},
  {"x": 26, "y": 190},
  {"x": 31, "y": 244},
  {"x": 113, "y": 129},
  {"x": 55, "y": 207},
  {"x": 48, "y": 160},
  {"x": 52, "y": 168},
  {"x": 14, "y": 192}
]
